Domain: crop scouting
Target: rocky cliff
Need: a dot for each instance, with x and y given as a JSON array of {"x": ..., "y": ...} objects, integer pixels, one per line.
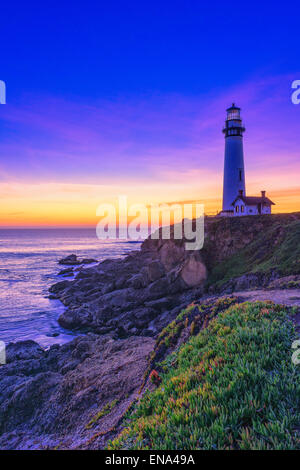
[
  {"x": 134, "y": 313},
  {"x": 60, "y": 397},
  {"x": 143, "y": 292}
]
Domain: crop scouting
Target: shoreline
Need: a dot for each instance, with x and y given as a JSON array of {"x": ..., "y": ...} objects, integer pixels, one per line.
[
  {"x": 136, "y": 310},
  {"x": 30, "y": 262}
]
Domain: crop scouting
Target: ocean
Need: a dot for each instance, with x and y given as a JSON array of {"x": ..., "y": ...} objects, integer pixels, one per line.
[{"x": 29, "y": 266}]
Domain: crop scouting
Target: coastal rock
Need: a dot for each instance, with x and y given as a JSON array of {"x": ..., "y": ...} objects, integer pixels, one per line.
[
  {"x": 59, "y": 286},
  {"x": 73, "y": 260},
  {"x": 171, "y": 254},
  {"x": 23, "y": 350},
  {"x": 66, "y": 272},
  {"x": 234, "y": 255},
  {"x": 52, "y": 398},
  {"x": 137, "y": 281},
  {"x": 88, "y": 261},
  {"x": 115, "y": 292},
  {"x": 160, "y": 304},
  {"x": 72, "y": 318},
  {"x": 75, "y": 395},
  {"x": 155, "y": 270},
  {"x": 194, "y": 271}
]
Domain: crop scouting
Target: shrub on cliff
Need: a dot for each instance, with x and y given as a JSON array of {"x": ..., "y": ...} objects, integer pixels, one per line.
[{"x": 233, "y": 386}]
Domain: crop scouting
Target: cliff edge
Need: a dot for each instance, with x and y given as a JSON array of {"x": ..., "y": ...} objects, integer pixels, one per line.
[{"x": 142, "y": 293}]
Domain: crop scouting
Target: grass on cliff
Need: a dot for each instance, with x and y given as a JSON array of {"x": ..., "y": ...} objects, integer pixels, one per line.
[
  {"x": 104, "y": 411},
  {"x": 276, "y": 248},
  {"x": 233, "y": 386}
]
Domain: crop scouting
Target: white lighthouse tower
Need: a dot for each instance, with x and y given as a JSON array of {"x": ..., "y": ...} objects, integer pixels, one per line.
[{"x": 234, "y": 171}]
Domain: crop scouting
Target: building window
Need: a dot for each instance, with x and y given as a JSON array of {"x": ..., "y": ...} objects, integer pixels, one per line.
[
  {"x": 240, "y": 175},
  {"x": 237, "y": 208},
  {"x": 242, "y": 208}
]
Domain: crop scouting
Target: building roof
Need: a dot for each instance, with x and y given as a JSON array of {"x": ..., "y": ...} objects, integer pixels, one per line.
[
  {"x": 253, "y": 201},
  {"x": 232, "y": 107}
]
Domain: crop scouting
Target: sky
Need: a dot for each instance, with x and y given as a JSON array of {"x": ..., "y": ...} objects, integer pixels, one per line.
[{"x": 128, "y": 98}]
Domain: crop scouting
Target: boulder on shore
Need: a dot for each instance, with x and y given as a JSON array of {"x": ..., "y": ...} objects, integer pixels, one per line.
[
  {"x": 73, "y": 260},
  {"x": 130, "y": 295},
  {"x": 66, "y": 272}
]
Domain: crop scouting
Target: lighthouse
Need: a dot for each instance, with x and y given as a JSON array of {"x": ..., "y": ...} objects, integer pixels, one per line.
[
  {"x": 235, "y": 201},
  {"x": 234, "y": 171}
]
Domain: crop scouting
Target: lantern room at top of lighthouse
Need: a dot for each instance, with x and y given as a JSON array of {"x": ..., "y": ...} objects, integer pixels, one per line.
[
  {"x": 233, "y": 113},
  {"x": 233, "y": 122}
]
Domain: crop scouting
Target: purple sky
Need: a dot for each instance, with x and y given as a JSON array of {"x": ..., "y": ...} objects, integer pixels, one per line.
[{"x": 157, "y": 138}]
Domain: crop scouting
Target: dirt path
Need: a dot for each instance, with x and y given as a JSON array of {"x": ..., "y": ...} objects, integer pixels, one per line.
[{"x": 289, "y": 297}]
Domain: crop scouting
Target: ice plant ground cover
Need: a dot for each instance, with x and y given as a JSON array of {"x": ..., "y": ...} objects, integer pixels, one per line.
[{"x": 233, "y": 386}]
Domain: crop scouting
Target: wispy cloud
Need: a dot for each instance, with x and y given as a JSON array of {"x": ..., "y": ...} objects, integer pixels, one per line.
[{"x": 167, "y": 147}]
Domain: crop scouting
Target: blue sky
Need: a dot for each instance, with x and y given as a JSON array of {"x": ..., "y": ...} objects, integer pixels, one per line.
[
  {"x": 125, "y": 96},
  {"x": 104, "y": 49}
]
